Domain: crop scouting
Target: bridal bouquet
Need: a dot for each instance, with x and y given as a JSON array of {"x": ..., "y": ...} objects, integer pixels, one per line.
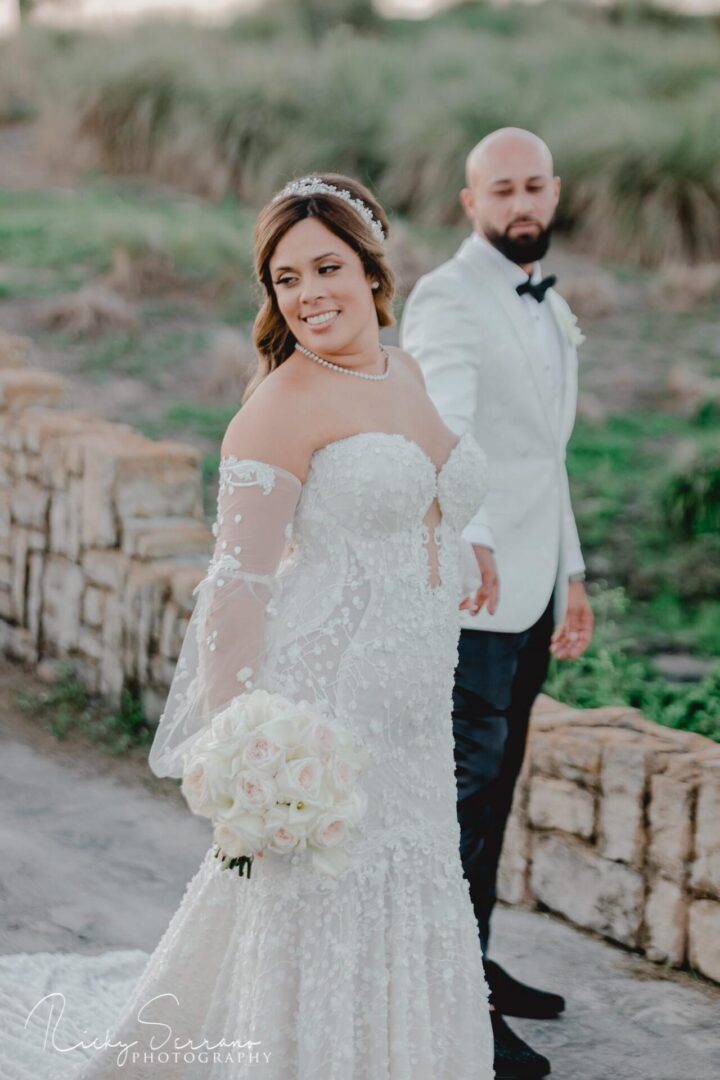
[{"x": 271, "y": 773}]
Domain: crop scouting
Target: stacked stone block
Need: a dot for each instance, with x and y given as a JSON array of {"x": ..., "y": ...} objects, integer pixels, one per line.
[
  {"x": 616, "y": 826},
  {"x": 102, "y": 540}
]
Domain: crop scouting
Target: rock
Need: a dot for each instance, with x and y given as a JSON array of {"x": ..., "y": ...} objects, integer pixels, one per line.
[
  {"x": 568, "y": 755},
  {"x": 704, "y": 934},
  {"x": 705, "y": 874},
  {"x": 93, "y": 606},
  {"x": 183, "y": 582},
  {"x": 681, "y": 667},
  {"x": 623, "y": 781},
  {"x": 107, "y": 568},
  {"x": 63, "y": 584},
  {"x": 560, "y": 804},
  {"x": 670, "y": 821},
  {"x": 26, "y": 386},
  {"x": 66, "y": 519},
  {"x": 14, "y": 351},
  {"x": 590, "y": 891},
  {"x": 33, "y": 613},
  {"x": 112, "y": 672},
  {"x": 666, "y": 923},
  {"x": 29, "y": 503},
  {"x": 512, "y": 884},
  {"x": 20, "y": 545},
  {"x": 18, "y": 643},
  {"x": 159, "y": 537}
]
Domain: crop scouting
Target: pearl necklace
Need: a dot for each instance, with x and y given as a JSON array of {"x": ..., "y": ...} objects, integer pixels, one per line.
[{"x": 344, "y": 370}]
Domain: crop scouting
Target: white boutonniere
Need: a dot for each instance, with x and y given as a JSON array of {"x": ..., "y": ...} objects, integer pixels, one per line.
[{"x": 568, "y": 322}]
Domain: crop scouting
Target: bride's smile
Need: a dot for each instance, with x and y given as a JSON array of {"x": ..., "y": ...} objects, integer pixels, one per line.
[{"x": 325, "y": 295}]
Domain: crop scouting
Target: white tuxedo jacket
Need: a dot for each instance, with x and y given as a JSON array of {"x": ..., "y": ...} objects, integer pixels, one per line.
[{"x": 468, "y": 329}]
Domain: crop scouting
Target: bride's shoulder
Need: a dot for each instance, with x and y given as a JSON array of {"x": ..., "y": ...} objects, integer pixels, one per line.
[
  {"x": 406, "y": 363},
  {"x": 271, "y": 426}
]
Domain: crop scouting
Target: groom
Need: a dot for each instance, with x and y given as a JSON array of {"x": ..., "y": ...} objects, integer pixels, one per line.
[{"x": 497, "y": 346}]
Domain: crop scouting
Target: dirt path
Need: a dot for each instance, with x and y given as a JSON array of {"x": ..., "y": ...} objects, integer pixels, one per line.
[{"x": 95, "y": 854}]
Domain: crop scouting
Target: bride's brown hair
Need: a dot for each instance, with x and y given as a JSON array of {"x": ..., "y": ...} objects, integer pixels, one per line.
[{"x": 271, "y": 336}]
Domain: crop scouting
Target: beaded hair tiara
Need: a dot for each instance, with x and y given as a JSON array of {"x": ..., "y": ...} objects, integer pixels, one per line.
[{"x": 313, "y": 185}]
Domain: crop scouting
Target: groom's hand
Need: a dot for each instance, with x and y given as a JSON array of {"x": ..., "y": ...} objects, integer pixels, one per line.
[
  {"x": 572, "y": 638},
  {"x": 489, "y": 591}
]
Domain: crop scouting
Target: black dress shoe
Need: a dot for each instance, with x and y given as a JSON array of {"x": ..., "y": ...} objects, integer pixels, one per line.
[
  {"x": 513, "y": 998},
  {"x": 514, "y": 1059}
]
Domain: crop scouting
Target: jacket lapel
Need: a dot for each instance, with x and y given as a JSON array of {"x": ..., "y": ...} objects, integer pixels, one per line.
[
  {"x": 489, "y": 277},
  {"x": 569, "y": 362}
]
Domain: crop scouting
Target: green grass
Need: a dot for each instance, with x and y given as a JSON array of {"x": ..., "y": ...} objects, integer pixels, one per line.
[
  {"x": 68, "y": 709},
  {"x": 208, "y": 421},
  {"x": 145, "y": 355},
  {"x": 625, "y": 476},
  {"x": 613, "y": 672},
  {"x": 55, "y": 240}
]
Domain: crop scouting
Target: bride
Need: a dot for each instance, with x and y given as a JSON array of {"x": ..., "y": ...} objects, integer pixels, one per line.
[{"x": 336, "y": 579}]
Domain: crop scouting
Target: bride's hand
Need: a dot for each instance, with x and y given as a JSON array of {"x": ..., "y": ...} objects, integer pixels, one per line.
[{"x": 489, "y": 591}]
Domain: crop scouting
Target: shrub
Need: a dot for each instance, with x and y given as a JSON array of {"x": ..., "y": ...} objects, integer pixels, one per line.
[
  {"x": 611, "y": 674},
  {"x": 629, "y": 110},
  {"x": 691, "y": 494}
]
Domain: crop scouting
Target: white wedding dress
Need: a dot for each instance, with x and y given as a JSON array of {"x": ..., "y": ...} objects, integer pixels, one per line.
[{"x": 345, "y": 591}]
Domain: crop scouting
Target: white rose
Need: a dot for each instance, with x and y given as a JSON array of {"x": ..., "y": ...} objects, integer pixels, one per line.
[
  {"x": 301, "y": 817},
  {"x": 284, "y": 731},
  {"x": 206, "y": 782},
  {"x": 569, "y": 323},
  {"x": 279, "y": 836},
  {"x": 330, "y": 830},
  {"x": 343, "y": 774},
  {"x": 298, "y": 822},
  {"x": 299, "y": 779},
  {"x": 228, "y": 722},
  {"x": 254, "y": 791},
  {"x": 195, "y": 790},
  {"x": 259, "y": 750},
  {"x": 352, "y": 809},
  {"x": 282, "y": 840},
  {"x": 256, "y": 708},
  {"x": 243, "y": 834},
  {"x": 321, "y": 738}
]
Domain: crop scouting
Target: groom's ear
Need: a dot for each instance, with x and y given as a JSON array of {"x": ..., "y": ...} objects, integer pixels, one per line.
[{"x": 466, "y": 201}]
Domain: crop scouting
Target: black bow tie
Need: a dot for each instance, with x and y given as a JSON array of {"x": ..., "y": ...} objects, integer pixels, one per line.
[{"x": 537, "y": 291}]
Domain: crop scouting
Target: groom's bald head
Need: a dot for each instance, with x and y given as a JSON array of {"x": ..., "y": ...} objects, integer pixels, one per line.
[
  {"x": 507, "y": 148},
  {"x": 511, "y": 192}
]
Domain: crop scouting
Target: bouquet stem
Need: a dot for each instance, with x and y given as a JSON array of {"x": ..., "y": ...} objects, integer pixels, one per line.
[{"x": 242, "y": 862}]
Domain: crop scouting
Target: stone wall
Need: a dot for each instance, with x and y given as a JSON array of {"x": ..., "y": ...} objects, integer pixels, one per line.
[
  {"x": 102, "y": 539},
  {"x": 616, "y": 825}
]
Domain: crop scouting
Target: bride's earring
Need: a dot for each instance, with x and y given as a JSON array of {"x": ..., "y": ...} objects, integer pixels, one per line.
[{"x": 375, "y": 285}]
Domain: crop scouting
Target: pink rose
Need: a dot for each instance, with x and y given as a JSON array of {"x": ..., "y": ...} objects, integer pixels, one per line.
[
  {"x": 259, "y": 750},
  {"x": 282, "y": 840}
]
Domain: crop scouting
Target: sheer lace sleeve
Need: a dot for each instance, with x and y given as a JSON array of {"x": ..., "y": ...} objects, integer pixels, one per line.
[{"x": 222, "y": 653}]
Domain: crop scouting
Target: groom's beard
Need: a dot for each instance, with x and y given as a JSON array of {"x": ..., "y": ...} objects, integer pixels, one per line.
[{"x": 521, "y": 249}]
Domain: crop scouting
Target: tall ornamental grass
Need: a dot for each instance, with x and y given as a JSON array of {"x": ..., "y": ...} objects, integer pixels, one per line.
[{"x": 627, "y": 100}]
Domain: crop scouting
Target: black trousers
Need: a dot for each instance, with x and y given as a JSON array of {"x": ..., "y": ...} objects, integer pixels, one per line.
[{"x": 497, "y": 679}]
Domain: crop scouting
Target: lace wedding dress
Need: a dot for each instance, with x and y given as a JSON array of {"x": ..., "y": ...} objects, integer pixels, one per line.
[{"x": 344, "y": 591}]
